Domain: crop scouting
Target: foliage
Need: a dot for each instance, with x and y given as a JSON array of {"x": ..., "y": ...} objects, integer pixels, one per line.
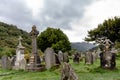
[
  {"x": 9, "y": 35},
  {"x": 7, "y": 51},
  {"x": 54, "y": 38},
  {"x": 109, "y": 28}
]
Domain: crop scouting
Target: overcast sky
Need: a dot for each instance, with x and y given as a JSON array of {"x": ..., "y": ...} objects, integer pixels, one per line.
[{"x": 74, "y": 17}]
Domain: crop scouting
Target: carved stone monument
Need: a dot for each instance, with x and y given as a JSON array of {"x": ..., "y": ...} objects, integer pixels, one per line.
[
  {"x": 67, "y": 72},
  {"x": 49, "y": 58},
  {"x": 34, "y": 63},
  {"x": 20, "y": 56},
  {"x": 60, "y": 56},
  {"x": 88, "y": 58},
  {"x": 107, "y": 56},
  {"x": 76, "y": 57},
  {"x": 5, "y": 62}
]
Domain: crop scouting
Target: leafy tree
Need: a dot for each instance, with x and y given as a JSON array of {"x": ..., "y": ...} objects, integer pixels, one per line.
[
  {"x": 54, "y": 38},
  {"x": 109, "y": 28}
]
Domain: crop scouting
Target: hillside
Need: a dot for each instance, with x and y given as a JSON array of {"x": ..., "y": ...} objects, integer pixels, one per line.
[
  {"x": 82, "y": 46},
  {"x": 9, "y": 35}
]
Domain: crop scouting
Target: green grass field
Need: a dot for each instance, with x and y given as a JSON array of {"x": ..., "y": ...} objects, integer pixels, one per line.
[{"x": 84, "y": 72}]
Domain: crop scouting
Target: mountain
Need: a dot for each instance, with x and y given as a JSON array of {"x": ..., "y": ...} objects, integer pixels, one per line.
[
  {"x": 82, "y": 46},
  {"x": 9, "y": 35}
]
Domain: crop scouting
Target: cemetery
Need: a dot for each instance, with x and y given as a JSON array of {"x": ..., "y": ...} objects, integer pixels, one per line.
[{"x": 102, "y": 63}]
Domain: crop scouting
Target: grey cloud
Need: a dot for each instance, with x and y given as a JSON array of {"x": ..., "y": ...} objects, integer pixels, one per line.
[
  {"x": 55, "y": 13},
  {"x": 16, "y": 12},
  {"x": 61, "y": 13}
]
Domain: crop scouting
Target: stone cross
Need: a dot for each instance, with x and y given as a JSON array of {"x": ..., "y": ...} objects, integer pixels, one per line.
[
  {"x": 20, "y": 39},
  {"x": 34, "y": 58}
]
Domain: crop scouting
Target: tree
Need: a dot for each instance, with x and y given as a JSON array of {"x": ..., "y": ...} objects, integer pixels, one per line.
[
  {"x": 109, "y": 28},
  {"x": 54, "y": 38}
]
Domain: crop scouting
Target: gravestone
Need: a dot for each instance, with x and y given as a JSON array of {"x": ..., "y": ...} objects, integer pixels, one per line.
[
  {"x": 60, "y": 56},
  {"x": 107, "y": 56},
  {"x": 88, "y": 58},
  {"x": 57, "y": 61},
  {"x": 22, "y": 64},
  {"x": 94, "y": 54},
  {"x": 19, "y": 56},
  {"x": 34, "y": 62},
  {"x": 65, "y": 57},
  {"x": 6, "y": 64},
  {"x": 49, "y": 58},
  {"x": 76, "y": 57},
  {"x": 67, "y": 72}
]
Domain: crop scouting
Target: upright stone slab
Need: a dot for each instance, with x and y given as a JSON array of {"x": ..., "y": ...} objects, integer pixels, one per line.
[
  {"x": 88, "y": 58},
  {"x": 22, "y": 64},
  {"x": 60, "y": 56},
  {"x": 49, "y": 58},
  {"x": 35, "y": 62},
  {"x": 65, "y": 57},
  {"x": 19, "y": 55},
  {"x": 76, "y": 57},
  {"x": 6, "y": 64}
]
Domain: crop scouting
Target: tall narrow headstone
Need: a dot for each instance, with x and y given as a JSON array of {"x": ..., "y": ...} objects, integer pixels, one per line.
[
  {"x": 60, "y": 56},
  {"x": 88, "y": 58},
  {"x": 49, "y": 58},
  {"x": 19, "y": 56},
  {"x": 34, "y": 58}
]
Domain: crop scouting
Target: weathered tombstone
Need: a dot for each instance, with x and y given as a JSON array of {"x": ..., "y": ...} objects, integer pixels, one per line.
[
  {"x": 49, "y": 58},
  {"x": 60, "y": 56},
  {"x": 34, "y": 62},
  {"x": 67, "y": 72},
  {"x": 57, "y": 62},
  {"x": 19, "y": 55},
  {"x": 23, "y": 64},
  {"x": 107, "y": 56},
  {"x": 76, "y": 58},
  {"x": 94, "y": 56},
  {"x": 88, "y": 58},
  {"x": 65, "y": 57},
  {"x": 6, "y": 64}
]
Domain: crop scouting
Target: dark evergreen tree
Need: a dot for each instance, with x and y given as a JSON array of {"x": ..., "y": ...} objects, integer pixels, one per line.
[{"x": 54, "y": 38}]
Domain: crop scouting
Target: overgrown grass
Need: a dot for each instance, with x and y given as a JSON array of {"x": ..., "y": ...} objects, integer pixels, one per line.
[{"x": 84, "y": 72}]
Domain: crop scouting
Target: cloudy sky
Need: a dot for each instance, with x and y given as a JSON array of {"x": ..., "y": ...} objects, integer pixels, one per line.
[{"x": 74, "y": 17}]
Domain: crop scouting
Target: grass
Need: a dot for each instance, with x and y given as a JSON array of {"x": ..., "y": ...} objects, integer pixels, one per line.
[{"x": 84, "y": 72}]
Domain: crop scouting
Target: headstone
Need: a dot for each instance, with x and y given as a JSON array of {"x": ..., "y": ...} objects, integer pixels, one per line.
[
  {"x": 6, "y": 64},
  {"x": 76, "y": 57},
  {"x": 65, "y": 57},
  {"x": 19, "y": 55},
  {"x": 34, "y": 62},
  {"x": 67, "y": 72},
  {"x": 94, "y": 56},
  {"x": 107, "y": 56},
  {"x": 23, "y": 64},
  {"x": 88, "y": 58},
  {"x": 57, "y": 61},
  {"x": 60, "y": 56},
  {"x": 49, "y": 58}
]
